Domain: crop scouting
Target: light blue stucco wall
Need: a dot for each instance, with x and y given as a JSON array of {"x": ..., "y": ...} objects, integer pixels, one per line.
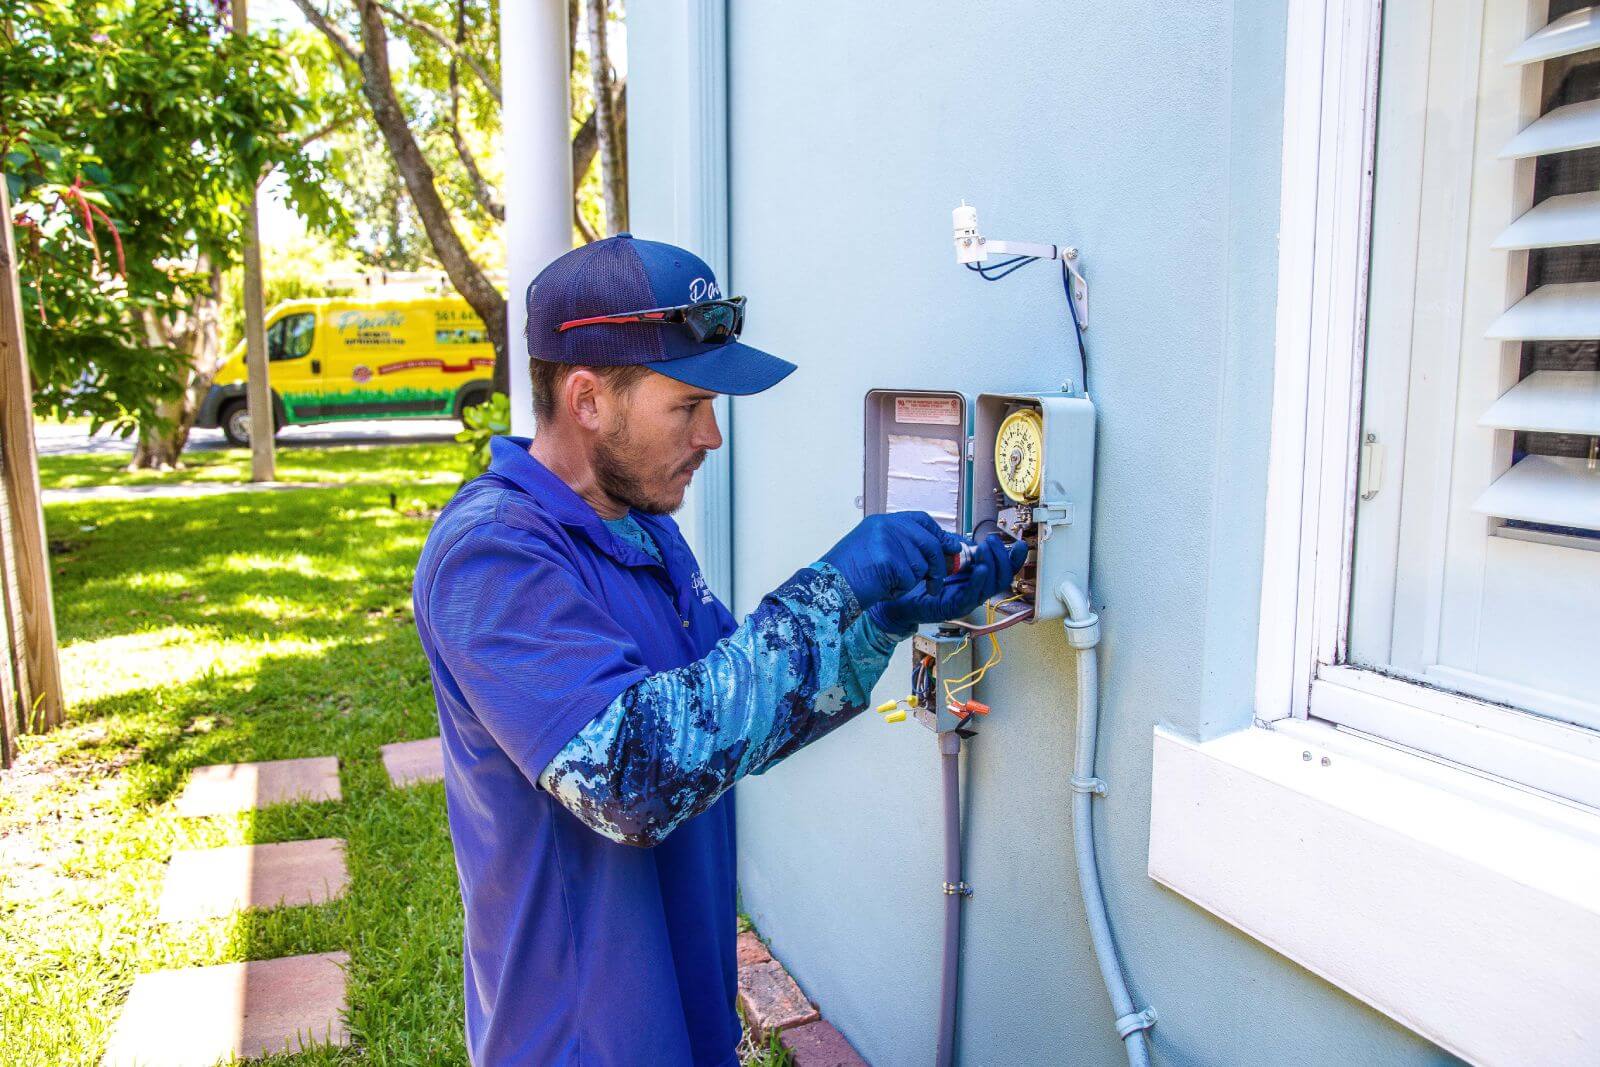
[{"x": 1149, "y": 135}]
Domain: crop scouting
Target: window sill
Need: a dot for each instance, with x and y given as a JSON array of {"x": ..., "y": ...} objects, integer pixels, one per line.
[
  {"x": 1510, "y": 744},
  {"x": 1466, "y": 909}
]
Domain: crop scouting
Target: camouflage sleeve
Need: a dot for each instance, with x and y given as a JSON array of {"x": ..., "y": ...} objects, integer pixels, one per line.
[{"x": 803, "y": 663}]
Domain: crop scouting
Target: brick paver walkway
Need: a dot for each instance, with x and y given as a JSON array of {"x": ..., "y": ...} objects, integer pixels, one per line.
[
  {"x": 200, "y": 1015},
  {"x": 212, "y": 882},
  {"x": 411, "y": 762},
  {"x": 233, "y": 787},
  {"x": 197, "y": 1016}
]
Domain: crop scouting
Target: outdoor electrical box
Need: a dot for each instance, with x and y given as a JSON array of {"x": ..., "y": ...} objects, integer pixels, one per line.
[
  {"x": 1018, "y": 464},
  {"x": 941, "y": 658}
]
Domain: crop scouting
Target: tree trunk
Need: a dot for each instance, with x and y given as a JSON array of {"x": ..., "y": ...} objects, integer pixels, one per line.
[
  {"x": 377, "y": 85},
  {"x": 613, "y": 155},
  {"x": 198, "y": 332}
]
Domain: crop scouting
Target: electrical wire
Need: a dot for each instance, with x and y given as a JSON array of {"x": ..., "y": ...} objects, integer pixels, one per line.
[
  {"x": 982, "y": 268},
  {"x": 996, "y": 654},
  {"x": 994, "y": 272}
]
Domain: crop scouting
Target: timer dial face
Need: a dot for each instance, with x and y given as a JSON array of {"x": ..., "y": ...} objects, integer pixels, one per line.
[{"x": 1019, "y": 454}]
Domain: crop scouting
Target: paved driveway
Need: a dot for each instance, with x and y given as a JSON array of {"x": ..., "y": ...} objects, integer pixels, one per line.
[{"x": 55, "y": 439}]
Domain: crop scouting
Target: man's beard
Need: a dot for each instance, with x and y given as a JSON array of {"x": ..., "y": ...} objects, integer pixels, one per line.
[{"x": 617, "y": 462}]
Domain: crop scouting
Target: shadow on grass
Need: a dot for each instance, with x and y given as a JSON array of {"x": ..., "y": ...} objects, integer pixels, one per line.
[
  {"x": 243, "y": 564},
  {"x": 400, "y": 461}
]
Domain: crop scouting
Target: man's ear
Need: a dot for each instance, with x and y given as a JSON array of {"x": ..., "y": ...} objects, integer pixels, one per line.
[{"x": 581, "y": 395}]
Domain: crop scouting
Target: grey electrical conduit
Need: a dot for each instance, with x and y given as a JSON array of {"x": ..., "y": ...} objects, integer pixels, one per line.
[
  {"x": 1083, "y": 634},
  {"x": 950, "y": 768}
]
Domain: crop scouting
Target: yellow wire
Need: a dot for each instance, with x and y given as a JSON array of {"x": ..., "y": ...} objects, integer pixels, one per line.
[{"x": 996, "y": 654}]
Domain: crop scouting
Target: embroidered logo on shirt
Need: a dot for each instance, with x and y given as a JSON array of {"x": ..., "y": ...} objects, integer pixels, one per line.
[{"x": 701, "y": 588}]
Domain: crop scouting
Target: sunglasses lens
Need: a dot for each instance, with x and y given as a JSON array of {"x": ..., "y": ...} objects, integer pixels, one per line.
[{"x": 714, "y": 322}]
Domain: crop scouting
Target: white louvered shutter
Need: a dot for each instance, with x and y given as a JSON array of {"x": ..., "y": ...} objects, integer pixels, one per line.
[
  {"x": 1554, "y": 409},
  {"x": 1477, "y": 544}
]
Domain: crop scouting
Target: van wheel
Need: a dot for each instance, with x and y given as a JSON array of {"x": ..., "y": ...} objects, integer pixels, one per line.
[
  {"x": 471, "y": 397},
  {"x": 235, "y": 422}
]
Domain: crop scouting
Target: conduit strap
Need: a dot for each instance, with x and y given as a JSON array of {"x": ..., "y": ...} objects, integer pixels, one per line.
[
  {"x": 952, "y": 889},
  {"x": 1132, "y": 1024},
  {"x": 1096, "y": 786}
]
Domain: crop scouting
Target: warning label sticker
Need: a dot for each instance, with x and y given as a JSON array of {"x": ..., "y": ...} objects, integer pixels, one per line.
[{"x": 927, "y": 410}]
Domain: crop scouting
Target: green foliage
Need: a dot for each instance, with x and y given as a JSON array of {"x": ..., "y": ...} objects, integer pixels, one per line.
[
  {"x": 132, "y": 135},
  {"x": 483, "y": 423},
  {"x": 369, "y": 210},
  {"x": 374, "y": 218}
]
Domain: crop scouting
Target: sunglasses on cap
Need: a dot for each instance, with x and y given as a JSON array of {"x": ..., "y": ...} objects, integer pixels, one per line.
[{"x": 711, "y": 322}]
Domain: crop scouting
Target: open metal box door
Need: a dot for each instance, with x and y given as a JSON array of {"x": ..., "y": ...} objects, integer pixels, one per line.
[{"x": 917, "y": 455}]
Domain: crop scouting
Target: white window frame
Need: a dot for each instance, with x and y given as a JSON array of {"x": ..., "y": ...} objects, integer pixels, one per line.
[{"x": 1327, "y": 198}]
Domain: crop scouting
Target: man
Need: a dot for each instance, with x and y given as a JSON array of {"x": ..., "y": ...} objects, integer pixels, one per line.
[{"x": 596, "y": 701}]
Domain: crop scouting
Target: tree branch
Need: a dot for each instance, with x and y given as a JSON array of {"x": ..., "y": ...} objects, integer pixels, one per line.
[
  {"x": 585, "y": 145},
  {"x": 428, "y": 29},
  {"x": 586, "y": 142},
  {"x": 572, "y": 34},
  {"x": 480, "y": 188},
  {"x": 613, "y": 178},
  {"x": 583, "y": 224},
  {"x": 334, "y": 34},
  {"x": 323, "y": 131}
]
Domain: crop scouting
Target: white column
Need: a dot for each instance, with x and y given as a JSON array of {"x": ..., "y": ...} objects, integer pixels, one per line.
[{"x": 538, "y": 162}]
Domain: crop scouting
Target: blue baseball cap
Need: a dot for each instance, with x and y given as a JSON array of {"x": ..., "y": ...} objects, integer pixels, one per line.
[{"x": 622, "y": 274}]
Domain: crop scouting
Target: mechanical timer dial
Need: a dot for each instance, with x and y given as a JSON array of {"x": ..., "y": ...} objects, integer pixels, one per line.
[{"x": 1019, "y": 454}]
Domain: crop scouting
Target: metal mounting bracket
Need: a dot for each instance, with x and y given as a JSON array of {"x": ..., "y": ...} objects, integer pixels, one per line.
[
  {"x": 1048, "y": 515},
  {"x": 1067, "y": 254}
]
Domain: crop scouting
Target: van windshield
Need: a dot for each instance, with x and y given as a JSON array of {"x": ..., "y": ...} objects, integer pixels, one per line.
[{"x": 290, "y": 337}]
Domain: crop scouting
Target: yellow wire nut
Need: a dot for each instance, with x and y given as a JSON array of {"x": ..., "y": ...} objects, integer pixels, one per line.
[
  {"x": 911, "y": 701},
  {"x": 887, "y": 706},
  {"x": 895, "y": 716}
]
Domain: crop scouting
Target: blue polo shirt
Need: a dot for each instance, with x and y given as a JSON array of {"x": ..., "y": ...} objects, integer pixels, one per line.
[{"x": 535, "y": 615}]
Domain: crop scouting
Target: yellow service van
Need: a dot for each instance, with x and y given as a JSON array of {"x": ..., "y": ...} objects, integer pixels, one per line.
[{"x": 334, "y": 359}]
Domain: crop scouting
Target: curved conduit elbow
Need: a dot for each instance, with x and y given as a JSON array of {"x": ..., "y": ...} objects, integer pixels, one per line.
[{"x": 1083, "y": 634}]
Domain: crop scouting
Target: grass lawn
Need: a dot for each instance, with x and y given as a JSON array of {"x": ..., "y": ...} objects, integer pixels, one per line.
[
  {"x": 213, "y": 630},
  {"x": 221, "y": 629},
  {"x": 385, "y": 465}
]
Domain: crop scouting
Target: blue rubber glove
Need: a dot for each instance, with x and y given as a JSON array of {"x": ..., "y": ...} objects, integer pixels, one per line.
[
  {"x": 888, "y": 555},
  {"x": 993, "y": 566}
]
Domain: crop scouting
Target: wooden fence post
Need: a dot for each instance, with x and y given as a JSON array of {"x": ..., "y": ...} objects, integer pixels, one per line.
[
  {"x": 14, "y": 675},
  {"x": 27, "y": 586}
]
